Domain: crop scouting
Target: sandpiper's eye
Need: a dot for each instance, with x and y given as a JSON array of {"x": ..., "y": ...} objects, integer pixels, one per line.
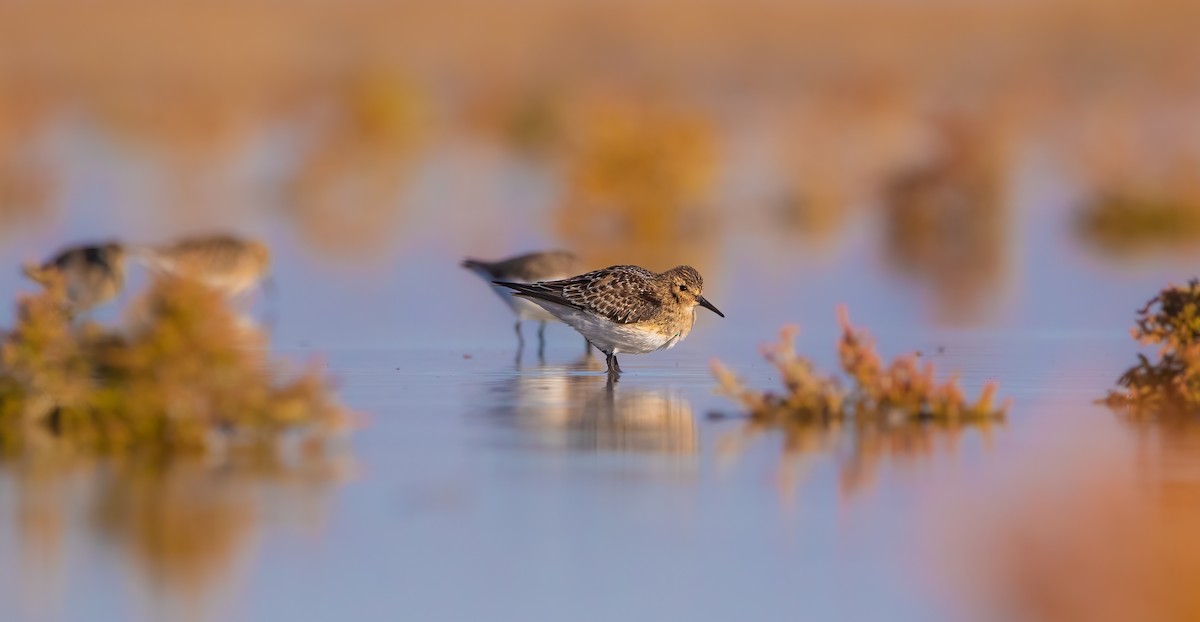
[{"x": 683, "y": 288}]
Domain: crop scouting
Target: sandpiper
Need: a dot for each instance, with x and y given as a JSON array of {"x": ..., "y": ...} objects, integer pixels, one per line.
[
  {"x": 91, "y": 274},
  {"x": 623, "y": 309},
  {"x": 528, "y": 268},
  {"x": 225, "y": 263}
]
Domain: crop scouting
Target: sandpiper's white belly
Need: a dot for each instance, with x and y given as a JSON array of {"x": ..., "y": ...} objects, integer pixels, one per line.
[{"x": 612, "y": 337}]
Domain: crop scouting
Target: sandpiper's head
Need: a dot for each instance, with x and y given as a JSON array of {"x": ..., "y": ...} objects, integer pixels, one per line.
[
  {"x": 687, "y": 286},
  {"x": 106, "y": 256}
]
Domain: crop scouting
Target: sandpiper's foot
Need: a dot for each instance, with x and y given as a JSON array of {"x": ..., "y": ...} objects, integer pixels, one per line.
[{"x": 613, "y": 366}]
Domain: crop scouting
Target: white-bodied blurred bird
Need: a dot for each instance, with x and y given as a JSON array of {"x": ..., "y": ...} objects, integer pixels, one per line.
[{"x": 528, "y": 268}]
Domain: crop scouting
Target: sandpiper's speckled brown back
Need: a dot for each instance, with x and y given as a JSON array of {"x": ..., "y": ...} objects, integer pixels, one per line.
[
  {"x": 528, "y": 268},
  {"x": 623, "y": 294}
]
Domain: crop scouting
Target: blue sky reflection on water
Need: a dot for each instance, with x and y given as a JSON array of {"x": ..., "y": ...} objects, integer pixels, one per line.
[{"x": 484, "y": 490}]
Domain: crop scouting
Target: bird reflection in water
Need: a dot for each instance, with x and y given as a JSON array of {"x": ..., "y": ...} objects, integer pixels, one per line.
[{"x": 569, "y": 407}]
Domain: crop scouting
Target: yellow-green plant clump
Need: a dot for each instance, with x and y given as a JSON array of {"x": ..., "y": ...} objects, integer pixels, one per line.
[
  {"x": 184, "y": 373},
  {"x": 1124, "y": 222},
  {"x": 901, "y": 392},
  {"x": 1170, "y": 383}
]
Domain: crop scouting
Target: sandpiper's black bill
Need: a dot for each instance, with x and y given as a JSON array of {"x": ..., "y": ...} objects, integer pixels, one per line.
[{"x": 708, "y": 305}]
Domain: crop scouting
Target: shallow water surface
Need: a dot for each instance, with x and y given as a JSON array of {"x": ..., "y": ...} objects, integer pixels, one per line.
[{"x": 484, "y": 484}]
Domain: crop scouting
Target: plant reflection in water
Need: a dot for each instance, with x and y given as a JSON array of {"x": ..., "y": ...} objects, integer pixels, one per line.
[{"x": 186, "y": 525}]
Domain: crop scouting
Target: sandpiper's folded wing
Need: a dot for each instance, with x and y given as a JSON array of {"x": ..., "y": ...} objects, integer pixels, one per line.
[{"x": 623, "y": 294}]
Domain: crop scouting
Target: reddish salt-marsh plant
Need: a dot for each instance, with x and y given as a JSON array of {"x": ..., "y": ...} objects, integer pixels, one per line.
[
  {"x": 186, "y": 375},
  {"x": 897, "y": 411},
  {"x": 904, "y": 389},
  {"x": 1170, "y": 384},
  {"x": 808, "y": 395}
]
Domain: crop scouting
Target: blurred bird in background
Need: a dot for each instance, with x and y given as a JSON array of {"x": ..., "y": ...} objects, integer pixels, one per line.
[
  {"x": 225, "y": 263},
  {"x": 528, "y": 268},
  {"x": 91, "y": 274}
]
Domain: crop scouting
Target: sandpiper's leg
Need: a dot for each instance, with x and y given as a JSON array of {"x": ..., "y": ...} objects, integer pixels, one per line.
[
  {"x": 612, "y": 361},
  {"x": 587, "y": 347},
  {"x": 270, "y": 300},
  {"x": 615, "y": 364},
  {"x": 542, "y": 340},
  {"x": 520, "y": 337}
]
